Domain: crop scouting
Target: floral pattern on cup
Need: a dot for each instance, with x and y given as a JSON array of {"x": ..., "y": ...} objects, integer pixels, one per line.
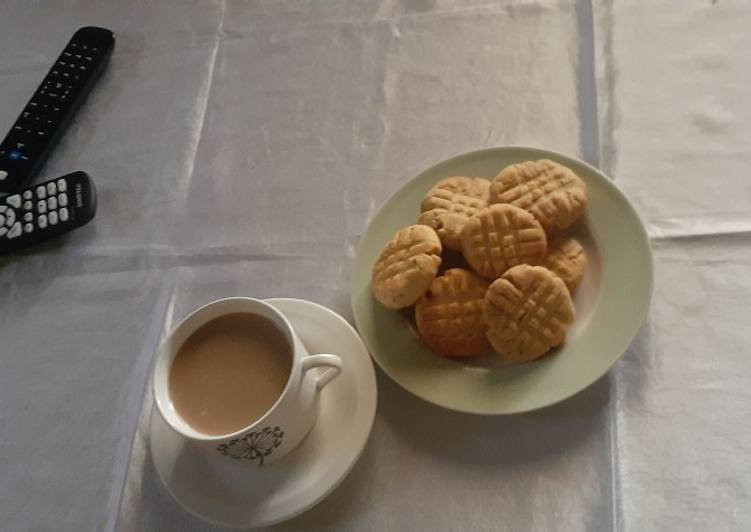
[{"x": 255, "y": 445}]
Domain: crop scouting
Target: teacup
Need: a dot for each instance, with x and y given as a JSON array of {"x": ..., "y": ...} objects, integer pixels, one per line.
[{"x": 285, "y": 424}]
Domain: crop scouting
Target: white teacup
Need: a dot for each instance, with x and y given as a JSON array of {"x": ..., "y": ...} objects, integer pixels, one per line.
[{"x": 283, "y": 426}]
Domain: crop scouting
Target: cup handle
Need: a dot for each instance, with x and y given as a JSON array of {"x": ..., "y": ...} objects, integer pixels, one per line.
[{"x": 333, "y": 362}]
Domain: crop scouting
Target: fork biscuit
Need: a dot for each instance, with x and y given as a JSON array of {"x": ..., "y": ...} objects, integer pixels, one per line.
[
  {"x": 450, "y": 315},
  {"x": 527, "y": 311},
  {"x": 407, "y": 265},
  {"x": 501, "y": 236},
  {"x": 552, "y": 192},
  {"x": 567, "y": 260},
  {"x": 450, "y": 203}
]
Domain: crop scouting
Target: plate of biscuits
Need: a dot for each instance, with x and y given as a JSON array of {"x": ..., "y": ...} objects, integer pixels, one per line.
[{"x": 502, "y": 280}]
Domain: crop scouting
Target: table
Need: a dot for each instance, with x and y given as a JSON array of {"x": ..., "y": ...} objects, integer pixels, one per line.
[{"x": 240, "y": 147}]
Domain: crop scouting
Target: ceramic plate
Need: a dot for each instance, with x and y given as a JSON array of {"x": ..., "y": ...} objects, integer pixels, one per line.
[
  {"x": 611, "y": 302},
  {"x": 243, "y": 495}
]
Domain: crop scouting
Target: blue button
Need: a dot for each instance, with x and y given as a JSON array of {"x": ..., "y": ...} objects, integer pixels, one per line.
[{"x": 15, "y": 154}]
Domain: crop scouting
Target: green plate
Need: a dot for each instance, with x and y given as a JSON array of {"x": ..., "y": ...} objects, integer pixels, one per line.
[{"x": 611, "y": 303}]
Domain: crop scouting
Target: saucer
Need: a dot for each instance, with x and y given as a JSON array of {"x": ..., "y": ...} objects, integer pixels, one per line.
[{"x": 242, "y": 495}]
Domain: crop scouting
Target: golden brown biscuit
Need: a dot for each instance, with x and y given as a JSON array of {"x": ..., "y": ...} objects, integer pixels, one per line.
[
  {"x": 567, "y": 260},
  {"x": 450, "y": 315},
  {"x": 550, "y": 191},
  {"x": 406, "y": 267},
  {"x": 527, "y": 312},
  {"x": 450, "y": 203},
  {"x": 501, "y": 236}
]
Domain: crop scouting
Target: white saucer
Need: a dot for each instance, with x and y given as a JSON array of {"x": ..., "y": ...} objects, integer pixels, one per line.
[{"x": 243, "y": 496}]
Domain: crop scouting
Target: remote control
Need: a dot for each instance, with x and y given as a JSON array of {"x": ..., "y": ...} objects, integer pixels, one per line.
[
  {"x": 45, "y": 117},
  {"x": 45, "y": 211}
]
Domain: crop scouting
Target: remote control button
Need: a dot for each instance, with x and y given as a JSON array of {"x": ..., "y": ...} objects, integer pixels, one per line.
[
  {"x": 41, "y": 192},
  {"x": 53, "y": 218},
  {"x": 62, "y": 200},
  {"x": 52, "y": 203},
  {"x": 27, "y": 205},
  {"x": 3, "y": 209},
  {"x": 28, "y": 228},
  {"x": 42, "y": 221},
  {"x": 15, "y": 231},
  {"x": 14, "y": 201},
  {"x": 27, "y": 195},
  {"x": 28, "y": 217},
  {"x": 3, "y": 175},
  {"x": 51, "y": 188},
  {"x": 10, "y": 217},
  {"x": 3, "y": 230},
  {"x": 63, "y": 214},
  {"x": 42, "y": 206},
  {"x": 62, "y": 186},
  {"x": 2, "y": 220}
]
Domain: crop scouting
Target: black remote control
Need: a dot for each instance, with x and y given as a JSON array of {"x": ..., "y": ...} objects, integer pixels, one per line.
[
  {"x": 63, "y": 90},
  {"x": 45, "y": 211}
]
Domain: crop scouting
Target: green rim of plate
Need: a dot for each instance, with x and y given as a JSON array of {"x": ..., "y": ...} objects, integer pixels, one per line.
[{"x": 618, "y": 305}]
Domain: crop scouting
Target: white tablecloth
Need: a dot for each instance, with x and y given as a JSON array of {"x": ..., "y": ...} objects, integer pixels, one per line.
[{"x": 240, "y": 147}]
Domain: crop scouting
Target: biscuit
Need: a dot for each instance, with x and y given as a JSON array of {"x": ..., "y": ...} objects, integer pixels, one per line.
[
  {"x": 567, "y": 259},
  {"x": 550, "y": 191},
  {"x": 450, "y": 203},
  {"x": 407, "y": 265},
  {"x": 450, "y": 315},
  {"x": 501, "y": 236},
  {"x": 527, "y": 312}
]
